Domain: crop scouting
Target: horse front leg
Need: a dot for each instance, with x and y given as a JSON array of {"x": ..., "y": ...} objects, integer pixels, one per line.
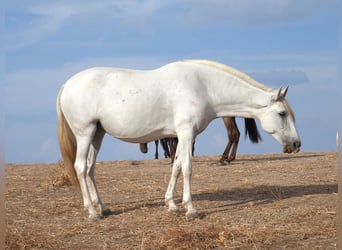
[
  {"x": 183, "y": 162},
  {"x": 187, "y": 200},
  {"x": 169, "y": 195}
]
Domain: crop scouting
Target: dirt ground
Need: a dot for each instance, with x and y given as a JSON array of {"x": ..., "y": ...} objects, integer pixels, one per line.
[{"x": 273, "y": 201}]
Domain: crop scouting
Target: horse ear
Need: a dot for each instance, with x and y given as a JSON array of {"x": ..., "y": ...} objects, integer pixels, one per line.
[
  {"x": 279, "y": 93},
  {"x": 283, "y": 93}
]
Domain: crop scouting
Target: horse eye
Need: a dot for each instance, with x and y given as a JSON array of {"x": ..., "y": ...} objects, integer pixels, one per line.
[{"x": 282, "y": 113}]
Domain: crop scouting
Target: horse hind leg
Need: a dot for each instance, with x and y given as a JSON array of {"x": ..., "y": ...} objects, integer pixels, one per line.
[
  {"x": 229, "y": 124},
  {"x": 234, "y": 137},
  {"x": 224, "y": 156},
  {"x": 80, "y": 165},
  {"x": 91, "y": 162}
]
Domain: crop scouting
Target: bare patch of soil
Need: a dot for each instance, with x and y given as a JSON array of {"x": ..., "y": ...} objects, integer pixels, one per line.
[{"x": 257, "y": 202}]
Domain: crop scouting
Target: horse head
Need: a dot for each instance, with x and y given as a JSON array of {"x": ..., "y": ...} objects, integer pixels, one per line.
[{"x": 279, "y": 121}]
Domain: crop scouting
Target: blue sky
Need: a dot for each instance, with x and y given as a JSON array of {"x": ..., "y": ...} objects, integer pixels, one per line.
[{"x": 282, "y": 42}]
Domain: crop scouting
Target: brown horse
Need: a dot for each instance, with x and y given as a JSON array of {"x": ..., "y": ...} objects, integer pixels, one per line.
[{"x": 170, "y": 144}]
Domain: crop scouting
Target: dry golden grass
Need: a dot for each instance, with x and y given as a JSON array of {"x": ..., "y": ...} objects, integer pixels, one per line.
[
  {"x": 258, "y": 202},
  {"x": 59, "y": 176}
]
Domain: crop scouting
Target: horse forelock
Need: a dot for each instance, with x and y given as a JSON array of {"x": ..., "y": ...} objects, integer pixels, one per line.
[{"x": 232, "y": 71}]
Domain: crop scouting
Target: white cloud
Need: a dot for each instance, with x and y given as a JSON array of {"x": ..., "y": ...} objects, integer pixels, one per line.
[
  {"x": 251, "y": 11},
  {"x": 48, "y": 17},
  {"x": 44, "y": 19},
  {"x": 34, "y": 91},
  {"x": 281, "y": 77},
  {"x": 43, "y": 22},
  {"x": 277, "y": 70}
]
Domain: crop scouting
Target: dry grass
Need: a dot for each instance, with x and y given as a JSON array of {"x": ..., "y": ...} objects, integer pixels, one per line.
[
  {"x": 59, "y": 176},
  {"x": 258, "y": 202}
]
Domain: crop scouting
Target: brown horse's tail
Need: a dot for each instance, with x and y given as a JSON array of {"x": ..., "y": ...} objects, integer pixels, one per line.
[
  {"x": 67, "y": 143},
  {"x": 251, "y": 130}
]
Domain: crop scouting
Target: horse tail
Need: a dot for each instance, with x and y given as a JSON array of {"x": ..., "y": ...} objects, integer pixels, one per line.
[
  {"x": 251, "y": 130},
  {"x": 67, "y": 143}
]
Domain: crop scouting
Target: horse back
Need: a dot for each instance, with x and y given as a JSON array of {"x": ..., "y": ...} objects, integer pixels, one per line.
[{"x": 132, "y": 104}]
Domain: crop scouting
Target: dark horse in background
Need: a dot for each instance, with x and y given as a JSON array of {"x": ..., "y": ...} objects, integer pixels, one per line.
[{"x": 169, "y": 145}]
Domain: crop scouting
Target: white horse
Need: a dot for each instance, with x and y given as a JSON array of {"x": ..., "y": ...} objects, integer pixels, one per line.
[{"x": 177, "y": 100}]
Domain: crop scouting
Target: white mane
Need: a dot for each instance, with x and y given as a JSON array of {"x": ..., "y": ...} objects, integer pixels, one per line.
[{"x": 232, "y": 71}]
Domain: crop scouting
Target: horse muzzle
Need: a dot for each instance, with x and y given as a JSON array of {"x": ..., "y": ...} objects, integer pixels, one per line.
[{"x": 294, "y": 148}]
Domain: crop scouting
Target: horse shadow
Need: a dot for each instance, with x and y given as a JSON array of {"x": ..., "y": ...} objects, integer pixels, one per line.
[
  {"x": 134, "y": 205},
  {"x": 257, "y": 195},
  {"x": 260, "y": 195},
  {"x": 282, "y": 157},
  {"x": 266, "y": 158}
]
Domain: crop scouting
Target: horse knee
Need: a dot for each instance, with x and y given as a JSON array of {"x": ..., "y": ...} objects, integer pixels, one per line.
[
  {"x": 187, "y": 171},
  {"x": 236, "y": 136}
]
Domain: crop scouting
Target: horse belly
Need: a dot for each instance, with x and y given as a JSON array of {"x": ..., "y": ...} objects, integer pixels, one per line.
[{"x": 136, "y": 123}]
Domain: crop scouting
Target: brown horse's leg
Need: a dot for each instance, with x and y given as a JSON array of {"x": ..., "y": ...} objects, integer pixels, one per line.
[
  {"x": 165, "y": 145},
  {"x": 156, "y": 154},
  {"x": 227, "y": 122},
  {"x": 224, "y": 156},
  {"x": 233, "y": 140},
  {"x": 193, "y": 148},
  {"x": 173, "y": 147},
  {"x": 235, "y": 136}
]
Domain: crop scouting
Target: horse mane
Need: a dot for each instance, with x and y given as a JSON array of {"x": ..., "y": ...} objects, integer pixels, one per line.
[
  {"x": 232, "y": 71},
  {"x": 243, "y": 77}
]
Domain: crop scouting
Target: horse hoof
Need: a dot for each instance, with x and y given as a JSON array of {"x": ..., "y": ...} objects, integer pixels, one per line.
[
  {"x": 174, "y": 211},
  {"x": 192, "y": 215},
  {"x": 94, "y": 217}
]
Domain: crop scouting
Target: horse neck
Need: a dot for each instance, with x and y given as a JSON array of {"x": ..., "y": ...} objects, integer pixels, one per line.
[{"x": 241, "y": 99}]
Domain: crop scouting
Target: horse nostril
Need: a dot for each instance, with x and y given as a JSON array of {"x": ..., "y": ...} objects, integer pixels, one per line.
[{"x": 297, "y": 144}]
